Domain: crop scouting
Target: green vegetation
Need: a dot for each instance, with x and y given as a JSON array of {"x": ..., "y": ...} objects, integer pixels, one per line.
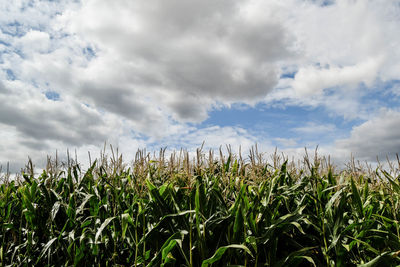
[{"x": 205, "y": 211}]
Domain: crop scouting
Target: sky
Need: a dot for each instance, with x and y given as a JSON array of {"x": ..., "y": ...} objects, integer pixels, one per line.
[{"x": 151, "y": 74}]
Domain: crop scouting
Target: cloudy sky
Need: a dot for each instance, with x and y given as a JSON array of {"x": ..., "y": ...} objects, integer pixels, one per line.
[{"x": 148, "y": 74}]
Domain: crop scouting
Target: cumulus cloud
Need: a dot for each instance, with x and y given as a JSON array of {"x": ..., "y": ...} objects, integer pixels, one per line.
[
  {"x": 343, "y": 49},
  {"x": 145, "y": 72},
  {"x": 37, "y": 118},
  {"x": 216, "y": 136},
  {"x": 33, "y": 41},
  {"x": 286, "y": 142},
  {"x": 346, "y": 32},
  {"x": 314, "y": 128},
  {"x": 312, "y": 80},
  {"x": 205, "y": 50},
  {"x": 379, "y": 136},
  {"x": 2, "y": 88}
]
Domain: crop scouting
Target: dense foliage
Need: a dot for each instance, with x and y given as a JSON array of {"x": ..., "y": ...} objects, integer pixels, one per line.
[{"x": 200, "y": 212}]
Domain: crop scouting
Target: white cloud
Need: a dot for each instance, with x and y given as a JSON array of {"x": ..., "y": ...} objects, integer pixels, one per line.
[
  {"x": 33, "y": 41},
  {"x": 136, "y": 72},
  {"x": 342, "y": 50},
  {"x": 192, "y": 55},
  {"x": 379, "y": 136},
  {"x": 286, "y": 142},
  {"x": 312, "y": 80},
  {"x": 314, "y": 128},
  {"x": 344, "y": 33},
  {"x": 35, "y": 117}
]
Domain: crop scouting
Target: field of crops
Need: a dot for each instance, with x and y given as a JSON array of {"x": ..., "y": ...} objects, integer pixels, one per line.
[{"x": 205, "y": 210}]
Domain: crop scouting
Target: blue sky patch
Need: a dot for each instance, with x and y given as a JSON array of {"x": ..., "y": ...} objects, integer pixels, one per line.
[
  {"x": 89, "y": 52},
  {"x": 10, "y": 75},
  {"x": 273, "y": 122},
  {"x": 51, "y": 95},
  {"x": 14, "y": 29},
  {"x": 288, "y": 75}
]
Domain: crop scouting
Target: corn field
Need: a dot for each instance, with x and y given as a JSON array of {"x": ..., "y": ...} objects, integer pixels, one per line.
[{"x": 205, "y": 210}]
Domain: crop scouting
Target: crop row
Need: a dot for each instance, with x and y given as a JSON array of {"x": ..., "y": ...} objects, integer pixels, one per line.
[{"x": 201, "y": 212}]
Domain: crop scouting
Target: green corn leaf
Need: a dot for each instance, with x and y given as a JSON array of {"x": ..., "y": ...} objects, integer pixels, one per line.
[
  {"x": 368, "y": 246},
  {"x": 198, "y": 210},
  {"x": 45, "y": 192},
  {"x": 155, "y": 195},
  {"x": 366, "y": 191},
  {"x": 221, "y": 251},
  {"x": 79, "y": 254},
  {"x": 395, "y": 185},
  {"x": 87, "y": 222},
  {"x": 235, "y": 167},
  {"x": 356, "y": 198},
  {"x": 71, "y": 207},
  {"x": 27, "y": 178},
  {"x": 126, "y": 218},
  {"x": 166, "y": 256},
  {"x": 298, "y": 226},
  {"x": 168, "y": 245},
  {"x": 331, "y": 179},
  {"x": 299, "y": 254},
  {"x": 46, "y": 248},
  {"x": 155, "y": 228},
  {"x": 55, "y": 209},
  {"x": 332, "y": 200},
  {"x": 228, "y": 163},
  {"x": 238, "y": 224},
  {"x": 100, "y": 230},
  {"x": 385, "y": 259},
  {"x": 82, "y": 205},
  {"x": 197, "y": 201}
]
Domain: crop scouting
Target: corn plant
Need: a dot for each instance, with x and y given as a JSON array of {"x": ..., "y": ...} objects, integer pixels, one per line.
[{"x": 206, "y": 211}]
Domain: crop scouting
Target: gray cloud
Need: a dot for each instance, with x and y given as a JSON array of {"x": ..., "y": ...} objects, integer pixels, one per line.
[
  {"x": 39, "y": 119},
  {"x": 379, "y": 136},
  {"x": 211, "y": 75},
  {"x": 153, "y": 61},
  {"x": 208, "y": 50},
  {"x": 188, "y": 108},
  {"x": 2, "y": 88},
  {"x": 264, "y": 41},
  {"x": 115, "y": 99},
  {"x": 148, "y": 68}
]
